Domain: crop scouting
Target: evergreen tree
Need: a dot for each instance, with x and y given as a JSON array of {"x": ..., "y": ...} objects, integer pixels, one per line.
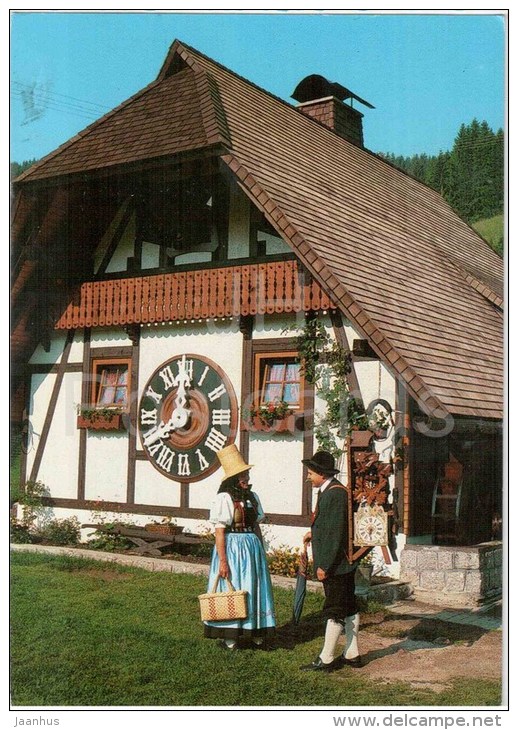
[
  {"x": 470, "y": 177},
  {"x": 18, "y": 167}
]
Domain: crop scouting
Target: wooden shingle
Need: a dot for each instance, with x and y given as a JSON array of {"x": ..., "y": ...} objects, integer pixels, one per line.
[{"x": 413, "y": 278}]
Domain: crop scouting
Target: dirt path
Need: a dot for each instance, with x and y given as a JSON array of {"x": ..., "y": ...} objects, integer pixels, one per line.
[{"x": 427, "y": 653}]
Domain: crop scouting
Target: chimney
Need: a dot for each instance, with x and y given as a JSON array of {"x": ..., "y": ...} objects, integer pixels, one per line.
[{"x": 323, "y": 100}]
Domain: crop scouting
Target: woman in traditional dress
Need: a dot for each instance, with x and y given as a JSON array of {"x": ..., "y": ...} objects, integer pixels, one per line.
[{"x": 239, "y": 554}]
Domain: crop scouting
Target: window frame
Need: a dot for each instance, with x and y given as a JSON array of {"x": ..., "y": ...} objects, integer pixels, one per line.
[
  {"x": 96, "y": 366},
  {"x": 261, "y": 360}
]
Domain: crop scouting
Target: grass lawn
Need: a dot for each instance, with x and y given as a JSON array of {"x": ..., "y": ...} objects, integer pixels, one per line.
[{"x": 85, "y": 633}]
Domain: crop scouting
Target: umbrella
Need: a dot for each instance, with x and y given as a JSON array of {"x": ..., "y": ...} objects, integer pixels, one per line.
[{"x": 300, "y": 586}]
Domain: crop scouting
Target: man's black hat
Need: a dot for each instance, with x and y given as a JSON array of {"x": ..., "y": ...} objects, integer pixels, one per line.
[{"x": 323, "y": 463}]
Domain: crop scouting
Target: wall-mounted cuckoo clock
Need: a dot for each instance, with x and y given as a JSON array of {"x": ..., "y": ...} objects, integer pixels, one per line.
[{"x": 188, "y": 412}]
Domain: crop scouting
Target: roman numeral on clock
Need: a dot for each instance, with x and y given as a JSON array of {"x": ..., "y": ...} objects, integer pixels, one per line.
[
  {"x": 152, "y": 394},
  {"x": 215, "y": 440},
  {"x": 203, "y": 375},
  {"x": 221, "y": 417},
  {"x": 148, "y": 417},
  {"x": 165, "y": 458},
  {"x": 184, "y": 468},
  {"x": 202, "y": 461},
  {"x": 167, "y": 376},
  {"x": 217, "y": 392}
]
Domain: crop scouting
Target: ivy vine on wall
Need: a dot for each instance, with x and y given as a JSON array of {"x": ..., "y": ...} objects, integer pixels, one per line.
[{"x": 325, "y": 365}]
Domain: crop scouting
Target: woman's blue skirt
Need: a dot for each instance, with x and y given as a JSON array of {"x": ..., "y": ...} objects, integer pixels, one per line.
[{"x": 248, "y": 572}]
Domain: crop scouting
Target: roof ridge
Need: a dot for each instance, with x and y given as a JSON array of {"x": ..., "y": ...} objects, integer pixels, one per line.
[
  {"x": 313, "y": 120},
  {"x": 213, "y": 113}
]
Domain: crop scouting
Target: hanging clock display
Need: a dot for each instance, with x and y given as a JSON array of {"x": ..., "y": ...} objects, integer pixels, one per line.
[
  {"x": 370, "y": 525},
  {"x": 187, "y": 413}
]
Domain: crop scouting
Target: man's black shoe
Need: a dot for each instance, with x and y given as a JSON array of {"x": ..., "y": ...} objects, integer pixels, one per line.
[
  {"x": 317, "y": 665},
  {"x": 356, "y": 663}
]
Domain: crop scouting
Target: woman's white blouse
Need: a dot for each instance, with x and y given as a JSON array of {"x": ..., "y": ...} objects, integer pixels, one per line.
[{"x": 222, "y": 510}]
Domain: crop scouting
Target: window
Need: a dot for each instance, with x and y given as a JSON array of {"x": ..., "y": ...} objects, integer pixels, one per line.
[
  {"x": 278, "y": 378},
  {"x": 110, "y": 383}
]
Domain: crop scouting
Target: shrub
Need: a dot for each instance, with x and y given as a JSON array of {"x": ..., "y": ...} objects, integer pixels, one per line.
[
  {"x": 61, "y": 532},
  {"x": 31, "y": 501},
  {"x": 19, "y": 532},
  {"x": 284, "y": 561},
  {"x": 109, "y": 543}
]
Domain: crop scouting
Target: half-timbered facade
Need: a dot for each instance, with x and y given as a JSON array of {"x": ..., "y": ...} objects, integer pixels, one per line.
[{"x": 162, "y": 258}]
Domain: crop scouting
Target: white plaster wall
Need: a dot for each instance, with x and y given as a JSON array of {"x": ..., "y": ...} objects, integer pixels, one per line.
[
  {"x": 274, "y": 244},
  {"x": 239, "y": 224},
  {"x": 196, "y": 257},
  {"x": 220, "y": 341},
  {"x": 281, "y": 536},
  {"x": 277, "y": 472},
  {"x": 152, "y": 487},
  {"x": 276, "y": 325},
  {"x": 41, "y": 389},
  {"x": 375, "y": 381},
  {"x": 105, "y": 240},
  {"x": 59, "y": 464},
  {"x": 40, "y": 357},
  {"x": 150, "y": 255},
  {"x": 125, "y": 248},
  {"x": 203, "y": 492},
  {"x": 106, "y": 466},
  {"x": 109, "y": 337}
]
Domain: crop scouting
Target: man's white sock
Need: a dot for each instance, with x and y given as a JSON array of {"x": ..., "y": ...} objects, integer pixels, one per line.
[{"x": 333, "y": 632}]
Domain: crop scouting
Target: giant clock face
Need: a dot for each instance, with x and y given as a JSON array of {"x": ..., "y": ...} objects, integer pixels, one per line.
[{"x": 187, "y": 413}]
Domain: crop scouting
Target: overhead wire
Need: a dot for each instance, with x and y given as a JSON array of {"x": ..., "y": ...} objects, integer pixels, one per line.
[{"x": 43, "y": 99}]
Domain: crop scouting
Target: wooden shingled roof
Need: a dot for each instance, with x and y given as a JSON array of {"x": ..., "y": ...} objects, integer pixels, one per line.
[{"x": 416, "y": 280}]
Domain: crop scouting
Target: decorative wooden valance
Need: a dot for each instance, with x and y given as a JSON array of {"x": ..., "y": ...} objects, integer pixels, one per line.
[{"x": 266, "y": 288}]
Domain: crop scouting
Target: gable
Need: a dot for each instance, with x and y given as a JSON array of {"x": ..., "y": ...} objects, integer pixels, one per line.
[
  {"x": 418, "y": 282},
  {"x": 165, "y": 119}
]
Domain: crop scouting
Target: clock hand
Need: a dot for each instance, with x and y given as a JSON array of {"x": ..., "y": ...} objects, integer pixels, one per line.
[
  {"x": 179, "y": 418},
  {"x": 180, "y": 414},
  {"x": 158, "y": 432}
]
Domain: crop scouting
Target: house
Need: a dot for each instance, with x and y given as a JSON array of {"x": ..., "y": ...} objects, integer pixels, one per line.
[{"x": 161, "y": 260}]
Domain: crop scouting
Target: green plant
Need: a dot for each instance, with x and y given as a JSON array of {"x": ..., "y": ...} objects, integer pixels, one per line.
[
  {"x": 66, "y": 531},
  {"x": 19, "y": 533},
  {"x": 31, "y": 500},
  {"x": 326, "y": 364},
  {"x": 284, "y": 561},
  {"x": 96, "y": 413},
  {"x": 101, "y": 514},
  {"x": 109, "y": 543},
  {"x": 367, "y": 558},
  {"x": 269, "y": 412}
]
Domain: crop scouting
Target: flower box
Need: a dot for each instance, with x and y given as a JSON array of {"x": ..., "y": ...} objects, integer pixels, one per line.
[
  {"x": 279, "y": 425},
  {"x": 97, "y": 422}
]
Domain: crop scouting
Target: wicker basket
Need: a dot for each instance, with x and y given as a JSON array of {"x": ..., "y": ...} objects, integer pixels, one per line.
[
  {"x": 164, "y": 529},
  {"x": 223, "y": 606}
]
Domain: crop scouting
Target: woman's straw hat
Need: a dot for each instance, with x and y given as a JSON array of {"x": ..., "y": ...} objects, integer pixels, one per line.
[{"x": 232, "y": 461}]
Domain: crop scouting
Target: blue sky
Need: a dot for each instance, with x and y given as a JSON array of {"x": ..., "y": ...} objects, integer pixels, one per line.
[{"x": 426, "y": 74}]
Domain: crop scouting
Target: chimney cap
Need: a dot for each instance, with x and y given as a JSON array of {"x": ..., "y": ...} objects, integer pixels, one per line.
[{"x": 316, "y": 87}]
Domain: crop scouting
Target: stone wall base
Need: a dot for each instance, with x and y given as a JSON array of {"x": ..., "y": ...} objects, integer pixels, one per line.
[{"x": 454, "y": 575}]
